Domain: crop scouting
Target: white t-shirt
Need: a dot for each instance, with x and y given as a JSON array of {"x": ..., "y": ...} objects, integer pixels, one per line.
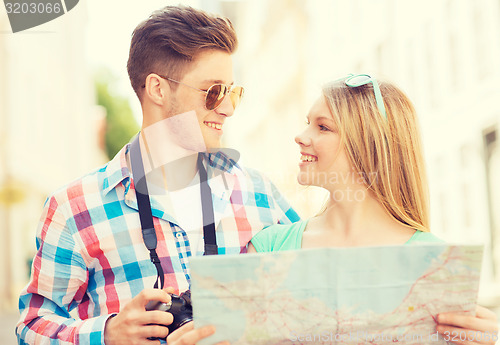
[
  {"x": 187, "y": 211},
  {"x": 185, "y": 206}
]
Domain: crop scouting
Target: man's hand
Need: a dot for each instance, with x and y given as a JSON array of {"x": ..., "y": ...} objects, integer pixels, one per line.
[
  {"x": 467, "y": 330},
  {"x": 187, "y": 335},
  {"x": 133, "y": 325}
]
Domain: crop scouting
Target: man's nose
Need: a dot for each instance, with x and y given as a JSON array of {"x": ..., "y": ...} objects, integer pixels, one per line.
[{"x": 226, "y": 107}]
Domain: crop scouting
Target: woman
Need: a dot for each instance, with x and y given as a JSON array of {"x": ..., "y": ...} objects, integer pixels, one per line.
[{"x": 365, "y": 150}]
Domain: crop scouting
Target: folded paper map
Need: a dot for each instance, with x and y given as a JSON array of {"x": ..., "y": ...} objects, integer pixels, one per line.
[{"x": 369, "y": 295}]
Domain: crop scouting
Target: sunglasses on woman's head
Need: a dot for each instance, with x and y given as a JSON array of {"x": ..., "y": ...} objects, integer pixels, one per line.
[
  {"x": 362, "y": 79},
  {"x": 216, "y": 93}
]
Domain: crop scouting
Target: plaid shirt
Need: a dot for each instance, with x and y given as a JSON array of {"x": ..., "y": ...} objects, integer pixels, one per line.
[{"x": 91, "y": 255}]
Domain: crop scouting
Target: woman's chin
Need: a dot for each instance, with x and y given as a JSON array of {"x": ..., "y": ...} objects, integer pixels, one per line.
[{"x": 303, "y": 180}]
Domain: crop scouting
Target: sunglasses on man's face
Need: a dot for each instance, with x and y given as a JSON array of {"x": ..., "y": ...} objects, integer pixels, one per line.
[{"x": 216, "y": 93}]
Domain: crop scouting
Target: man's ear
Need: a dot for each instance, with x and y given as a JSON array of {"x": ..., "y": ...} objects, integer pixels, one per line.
[{"x": 154, "y": 91}]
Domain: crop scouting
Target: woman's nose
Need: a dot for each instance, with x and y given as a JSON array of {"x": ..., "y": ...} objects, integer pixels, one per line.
[{"x": 302, "y": 139}]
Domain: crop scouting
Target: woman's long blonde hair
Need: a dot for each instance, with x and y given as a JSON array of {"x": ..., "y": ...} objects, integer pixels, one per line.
[{"x": 386, "y": 152}]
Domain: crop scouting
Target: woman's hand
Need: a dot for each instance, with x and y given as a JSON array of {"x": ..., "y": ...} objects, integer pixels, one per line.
[
  {"x": 466, "y": 330},
  {"x": 187, "y": 335}
]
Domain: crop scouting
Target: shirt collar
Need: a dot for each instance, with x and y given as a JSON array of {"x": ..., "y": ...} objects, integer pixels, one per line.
[
  {"x": 116, "y": 171},
  {"x": 223, "y": 159}
]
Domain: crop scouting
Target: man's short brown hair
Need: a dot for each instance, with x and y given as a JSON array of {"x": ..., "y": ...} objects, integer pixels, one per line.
[{"x": 171, "y": 37}]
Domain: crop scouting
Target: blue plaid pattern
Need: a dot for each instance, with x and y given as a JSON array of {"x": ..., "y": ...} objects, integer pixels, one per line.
[{"x": 91, "y": 256}]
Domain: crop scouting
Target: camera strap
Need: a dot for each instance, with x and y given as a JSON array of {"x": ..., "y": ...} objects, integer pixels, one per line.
[{"x": 146, "y": 215}]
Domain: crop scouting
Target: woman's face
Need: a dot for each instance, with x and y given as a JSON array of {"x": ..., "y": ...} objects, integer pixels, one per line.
[{"x": 323, "y": 161}]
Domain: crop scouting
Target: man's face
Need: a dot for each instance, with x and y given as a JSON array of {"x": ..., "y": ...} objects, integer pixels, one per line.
[{"x": 208, "y": 68}]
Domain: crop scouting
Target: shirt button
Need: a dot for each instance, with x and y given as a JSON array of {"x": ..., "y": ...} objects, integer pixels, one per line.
[{"x": 179, "y": 235}]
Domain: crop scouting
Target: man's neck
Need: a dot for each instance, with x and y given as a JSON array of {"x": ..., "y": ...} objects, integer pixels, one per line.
[
  {"x": 170, "y": 147},
  {"x": 166, "y": 164}
]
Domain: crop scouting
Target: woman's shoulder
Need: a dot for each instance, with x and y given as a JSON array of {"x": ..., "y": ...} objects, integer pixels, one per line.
[
  {"x": 280, "y": 228},
  {"x": 424, "y": 237},
  {"x": 274, "y": 237}
]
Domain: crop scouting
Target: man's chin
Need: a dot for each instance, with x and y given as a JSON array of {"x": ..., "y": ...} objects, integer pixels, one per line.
[{"x": 213, "y": 146}]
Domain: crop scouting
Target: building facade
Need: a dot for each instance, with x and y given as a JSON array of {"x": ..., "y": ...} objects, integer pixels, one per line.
[{"x": 48, "y": 136}]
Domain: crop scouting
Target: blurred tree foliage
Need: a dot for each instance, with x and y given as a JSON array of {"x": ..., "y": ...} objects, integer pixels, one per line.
[{"x": 121, "y": 125}]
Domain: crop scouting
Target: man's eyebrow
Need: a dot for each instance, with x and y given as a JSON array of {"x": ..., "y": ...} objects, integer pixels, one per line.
[{"x": 215, "y": 81}]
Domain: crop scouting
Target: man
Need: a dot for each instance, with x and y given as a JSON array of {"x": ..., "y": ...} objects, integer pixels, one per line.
[{"x": 91, "y": 254}]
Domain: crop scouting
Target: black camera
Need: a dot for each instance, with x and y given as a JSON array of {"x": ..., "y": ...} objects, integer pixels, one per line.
[{"x": 179, "y": 306}]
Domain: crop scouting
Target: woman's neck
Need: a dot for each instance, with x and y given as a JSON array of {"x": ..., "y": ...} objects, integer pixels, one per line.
[
  {"x": 353, "y": 212},
  {"x": 352, "y": 221}
]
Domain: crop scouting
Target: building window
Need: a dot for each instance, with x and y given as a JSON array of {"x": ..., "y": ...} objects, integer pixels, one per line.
[
  {"x": 481, "y": 36},
  {"x": 431, "y": 65},
  {"x": 454, "y": 55},
  {"x": 492, "y": 162},
  {"x": 465, "y": 163}
]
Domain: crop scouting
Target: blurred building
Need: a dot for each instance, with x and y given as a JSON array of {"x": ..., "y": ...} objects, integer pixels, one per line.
[
  {"x": 443, "y": 53},
  {"x": 277, "y": 62},
  {"x": 48, "y": 132}
]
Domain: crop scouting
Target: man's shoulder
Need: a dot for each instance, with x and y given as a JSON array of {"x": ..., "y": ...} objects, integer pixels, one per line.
[
  {"x": 252, "y": 173},
  {"x": 255, "y": 180},
  {"x": 96, "y": 181},
  {"x": 80, "y": 185}
]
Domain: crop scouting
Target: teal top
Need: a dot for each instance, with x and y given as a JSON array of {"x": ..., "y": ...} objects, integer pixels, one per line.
[{"x": 289, "y": 236}]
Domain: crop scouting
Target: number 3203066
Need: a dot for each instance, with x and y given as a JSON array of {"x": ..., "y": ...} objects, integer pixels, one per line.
[
  {"x": 25, "y": 8},
  {"x": 471, "y": 336}
]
